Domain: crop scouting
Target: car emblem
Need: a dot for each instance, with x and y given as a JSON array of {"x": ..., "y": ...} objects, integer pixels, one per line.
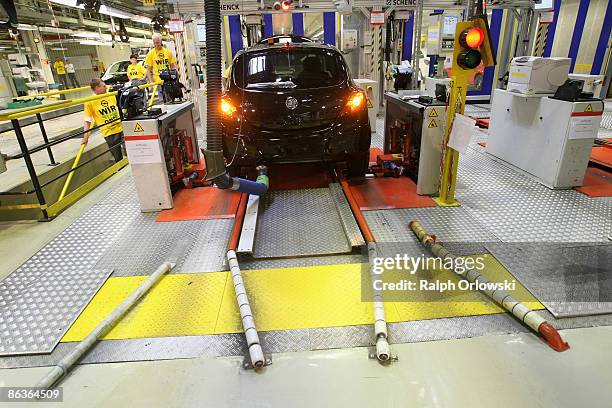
[{"x": 291, "y": 103}]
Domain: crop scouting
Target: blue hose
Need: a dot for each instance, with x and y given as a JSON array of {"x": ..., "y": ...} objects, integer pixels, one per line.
[{"x": 258, "y": 187}]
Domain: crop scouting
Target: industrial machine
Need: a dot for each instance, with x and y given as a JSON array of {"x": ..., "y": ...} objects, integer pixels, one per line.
[
  {"x": 591, "y": 83},
  {"x": 547, "y": 137},
  {"x": 414, "y": 133},
  {"x": 537, "y": 75},
  {"x": 164, "y": 154}
]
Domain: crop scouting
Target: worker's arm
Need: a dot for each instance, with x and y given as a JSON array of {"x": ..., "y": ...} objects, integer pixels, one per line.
[
  {"x": 86, "y": 127},
  {"x": 173, "y": 65},
  {"x": 149, "y": 74}
]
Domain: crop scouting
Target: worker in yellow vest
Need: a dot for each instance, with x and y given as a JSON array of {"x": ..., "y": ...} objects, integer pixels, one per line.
[
  {"x": 105, "y": 114},
  {"x": 60, "y": 71},
  {"x": 135, "y": 71},
  {"x": 159, "y": 59}
]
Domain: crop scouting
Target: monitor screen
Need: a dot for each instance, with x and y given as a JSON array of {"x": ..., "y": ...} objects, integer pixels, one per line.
[
  {"x": 201, "y": 28},
  {"x": 449, "y": 25}
]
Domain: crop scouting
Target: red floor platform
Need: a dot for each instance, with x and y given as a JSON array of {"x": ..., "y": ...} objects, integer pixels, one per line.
[
  {"x": 597, "y": 183},
  {"x": 385, "y": 193},
  {"x": 203, "y": 203},
  {"x": 602, "y": 155}
]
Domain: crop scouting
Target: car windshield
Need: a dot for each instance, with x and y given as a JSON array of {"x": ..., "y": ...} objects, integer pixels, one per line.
[
  {"x": 289, "y": 68},
  {"x": 120, "y": 66}
]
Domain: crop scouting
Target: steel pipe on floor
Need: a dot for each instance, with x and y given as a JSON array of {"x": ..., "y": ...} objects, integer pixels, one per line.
[
  {"x": 246, "y": 314},
  {"x": 526, "y": 315},
  {"x": 383, "y": 351},
  {"x": 66, "y": 363}
]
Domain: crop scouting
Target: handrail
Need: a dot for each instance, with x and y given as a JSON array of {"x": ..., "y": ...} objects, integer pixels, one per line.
[
  {"x": 53, "y": 93},
  {"x": 67, "y": 103}
]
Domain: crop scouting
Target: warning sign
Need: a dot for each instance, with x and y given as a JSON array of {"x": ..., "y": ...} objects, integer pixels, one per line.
[
  {"x": 589, "y": 108},
  {"x": 433, "y": 113},
  {"x": 433, "y": 124},
  {"x": 138, "y": 128},
  {"x": 370, "y": 104}
]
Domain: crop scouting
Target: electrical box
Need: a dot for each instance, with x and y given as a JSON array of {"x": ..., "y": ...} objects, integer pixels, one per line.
[
  {"x": 550, "y": 139},
  {"x": 415, "y": 129},
  {"x": 156, "y": 159},
  {"x": 349, "y": 39}
]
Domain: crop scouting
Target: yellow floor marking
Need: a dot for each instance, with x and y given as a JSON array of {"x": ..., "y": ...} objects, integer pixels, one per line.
[{"x": 281, "y": 299}]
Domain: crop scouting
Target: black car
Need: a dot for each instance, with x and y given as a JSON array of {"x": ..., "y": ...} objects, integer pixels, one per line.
[{"x": 294, "y": 102}]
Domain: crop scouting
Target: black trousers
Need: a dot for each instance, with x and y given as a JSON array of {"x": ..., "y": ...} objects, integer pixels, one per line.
[{"x": 115, "y": 142}]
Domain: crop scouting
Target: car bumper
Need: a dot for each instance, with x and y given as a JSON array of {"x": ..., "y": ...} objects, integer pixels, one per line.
[{"x": 335, "y": 142}]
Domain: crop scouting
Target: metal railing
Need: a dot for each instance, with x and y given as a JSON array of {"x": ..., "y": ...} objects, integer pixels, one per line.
[{"x": 14, "y": 116}]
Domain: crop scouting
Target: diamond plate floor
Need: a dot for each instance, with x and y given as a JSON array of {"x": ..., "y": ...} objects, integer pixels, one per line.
[
  {"x": 498, "y": 204},
  {"x": 321, "y": 231},
  {"x": 570, "y": 280}
]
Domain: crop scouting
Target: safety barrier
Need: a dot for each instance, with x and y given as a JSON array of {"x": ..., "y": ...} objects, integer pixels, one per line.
[{"x": 50, "y": 210}]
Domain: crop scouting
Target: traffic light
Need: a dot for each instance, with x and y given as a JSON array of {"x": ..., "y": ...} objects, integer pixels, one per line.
[
  {"x": 473, "y": 45},
  {"x": 470, "y": 39},
  {"x": 282, "y": 5}
]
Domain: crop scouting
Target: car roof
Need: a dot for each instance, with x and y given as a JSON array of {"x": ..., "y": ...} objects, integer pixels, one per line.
[{"x": 302, "y": 45}]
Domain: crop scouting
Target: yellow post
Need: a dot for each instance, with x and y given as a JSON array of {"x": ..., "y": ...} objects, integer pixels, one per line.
[
  {"x": 456, "y": 104},
  {"x": 77, "y": 159},
  {"x": 152, "y": 98}
]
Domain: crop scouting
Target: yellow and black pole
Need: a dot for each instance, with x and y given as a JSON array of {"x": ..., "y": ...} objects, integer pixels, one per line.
[{"x": 472, "y": 47}]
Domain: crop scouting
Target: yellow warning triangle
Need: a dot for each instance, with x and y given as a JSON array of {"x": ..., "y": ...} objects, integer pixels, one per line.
[
  {"x": 370, "y": 104},
  {"x": 138, "y": 128},
  {"x": 589, "y": 108},
  {"x": 433, "y": 114},
  {"x": 432, "y": 124}
]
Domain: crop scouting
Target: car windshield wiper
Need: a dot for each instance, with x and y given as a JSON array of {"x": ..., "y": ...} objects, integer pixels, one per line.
[{"x": 283, "y": 84}]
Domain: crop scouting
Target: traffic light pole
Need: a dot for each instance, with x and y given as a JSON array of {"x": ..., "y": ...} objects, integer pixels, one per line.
[
  {"x": 456, "y": 104},
  {"x": 471, "y": 48}
]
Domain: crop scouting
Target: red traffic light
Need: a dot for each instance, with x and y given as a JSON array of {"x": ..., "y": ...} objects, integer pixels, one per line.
[{"x": 472, "y": 37}]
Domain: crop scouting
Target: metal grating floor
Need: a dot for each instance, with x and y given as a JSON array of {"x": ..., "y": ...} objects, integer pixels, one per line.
[{"x": 321, "y": 228}]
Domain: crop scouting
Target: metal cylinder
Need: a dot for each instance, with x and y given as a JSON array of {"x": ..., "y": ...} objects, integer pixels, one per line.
[
  {"x": 246, "y": 314},
  {"x": 526, "y": 315},
  {"x": 64, "y": 365}
]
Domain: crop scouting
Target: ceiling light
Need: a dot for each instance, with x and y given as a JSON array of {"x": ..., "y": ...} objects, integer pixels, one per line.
[
  {"x": 70, "y": 3},
  {"x": 26, "y": 27},
  {"x": 85, "y": 34},
  {"x": 94, "y": 42},
  {"x": 110, "y": 11},
  {"x": 141, "y": 19}
]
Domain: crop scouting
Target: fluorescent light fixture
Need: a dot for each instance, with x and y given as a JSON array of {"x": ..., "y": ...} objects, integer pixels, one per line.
[
  {"x": 94, "y": 42},
  {"x": 69, "y": 3},
  {"x": 110, "y": 11},
  {"x": 85, "y": 34},
  {"x": 26, "y": 27},
  {"x": 55, "y": 30},
  {"x": 141, "y": 19}
]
